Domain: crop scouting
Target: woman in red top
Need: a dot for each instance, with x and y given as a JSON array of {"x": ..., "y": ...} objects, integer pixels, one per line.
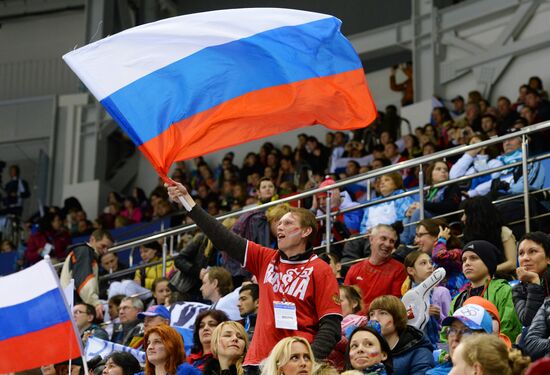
[{"x": 51, "y": 238}]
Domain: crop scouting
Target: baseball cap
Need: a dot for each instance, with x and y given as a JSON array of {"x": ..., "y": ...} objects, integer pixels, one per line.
[
  {"x": 472, "y": 316},
  {"x": 155, "y": 310},
  {"x": 492, "y": 310},
  {"x": 486, "y": 304}
]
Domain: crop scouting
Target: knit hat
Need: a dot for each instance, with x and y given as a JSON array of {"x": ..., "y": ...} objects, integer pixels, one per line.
[
  {"x": 474, "y": 317},
  {"x": 486, "y": 251},
  {"x": 327, "y": 182}
]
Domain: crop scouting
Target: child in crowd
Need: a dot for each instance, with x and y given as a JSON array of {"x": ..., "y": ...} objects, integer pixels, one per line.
[
  {"x": 411, "y": 350},
  {"x": 387, "y": 212},
  {"x": 161, "y": 291},
  {"x": 419, "y": 267},
  {"x": 495, "y": 316},
  {"x": 433, "y": 237},
  {"x": 479, "y": 264},
  {"x": 351, "y": 301}
]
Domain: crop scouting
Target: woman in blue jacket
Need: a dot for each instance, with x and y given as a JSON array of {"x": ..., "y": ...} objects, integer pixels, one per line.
[{"x": 387, "y": 212}]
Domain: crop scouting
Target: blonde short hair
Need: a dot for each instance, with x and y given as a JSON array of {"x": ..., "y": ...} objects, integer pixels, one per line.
[
  {"x": 281, "y": 354},
  {"x": 275, "y": 213}
]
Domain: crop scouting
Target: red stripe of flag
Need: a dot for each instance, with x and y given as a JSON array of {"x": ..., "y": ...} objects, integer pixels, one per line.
[
  {"x": 55, "y": 344},
  {"x": 339, "y": 102}
]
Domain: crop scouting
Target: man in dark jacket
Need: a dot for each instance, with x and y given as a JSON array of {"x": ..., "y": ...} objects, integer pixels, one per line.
[
  {"x": 84, "y": 316},
  {"x": 355, "y": 250},
  {"x": 129, "y": 325},
  {"x": 249, "y": 298},
  {"x": 82, "y": 265},
  {"x": 16, "y": 190},
  {"x": 316, "y": 155}
]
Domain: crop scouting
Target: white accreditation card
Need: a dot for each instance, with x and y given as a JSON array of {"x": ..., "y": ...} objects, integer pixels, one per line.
[{"x": 285, "y": 315}]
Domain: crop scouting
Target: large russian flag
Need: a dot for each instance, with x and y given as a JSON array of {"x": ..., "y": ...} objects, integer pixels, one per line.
[
  {"x": 190, "y": 85},
  {"x": 35, "y": 326}
]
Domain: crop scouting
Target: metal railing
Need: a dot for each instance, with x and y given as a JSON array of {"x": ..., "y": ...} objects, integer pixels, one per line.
[{"x": 417, "y": 162}]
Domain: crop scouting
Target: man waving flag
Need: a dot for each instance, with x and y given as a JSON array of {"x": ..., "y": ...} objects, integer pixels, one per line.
[{"x": 190, "y": 85}]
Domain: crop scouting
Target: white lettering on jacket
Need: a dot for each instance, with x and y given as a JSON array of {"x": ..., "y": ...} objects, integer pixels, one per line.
[{"x": 294, "y": 282}]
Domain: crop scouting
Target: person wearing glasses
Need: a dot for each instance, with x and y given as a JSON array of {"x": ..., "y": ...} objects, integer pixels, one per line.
[
  {"x": 433, "y": 237},
  {"x": 466, "y": 321},
  {"x": 85, "y": 316}
]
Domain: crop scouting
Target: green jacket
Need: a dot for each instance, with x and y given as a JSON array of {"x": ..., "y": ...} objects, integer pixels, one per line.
[{"x": 499, "y": 292}]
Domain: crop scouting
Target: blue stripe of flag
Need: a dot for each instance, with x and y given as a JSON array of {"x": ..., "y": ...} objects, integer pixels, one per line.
[
  {"x": 34, "y": 315},
  {"x": 220, "y": 73}
]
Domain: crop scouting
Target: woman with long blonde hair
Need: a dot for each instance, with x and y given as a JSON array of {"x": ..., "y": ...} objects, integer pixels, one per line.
[
  {"x": 291, "y": 356},
  {"x": 229, "y": 344}
]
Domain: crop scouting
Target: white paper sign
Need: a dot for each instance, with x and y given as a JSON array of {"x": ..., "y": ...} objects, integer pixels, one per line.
[
  {"x": 183, "y": 314},
  {"x": 95, "y": 346},
  {"x": 69, "y": 294}
]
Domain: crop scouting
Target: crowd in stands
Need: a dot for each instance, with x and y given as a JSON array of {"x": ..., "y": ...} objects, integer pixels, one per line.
[{"x": 296, "y": 310}]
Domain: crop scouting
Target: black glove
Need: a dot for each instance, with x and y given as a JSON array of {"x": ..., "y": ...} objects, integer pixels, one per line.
[{"x": 498, "y": 185}]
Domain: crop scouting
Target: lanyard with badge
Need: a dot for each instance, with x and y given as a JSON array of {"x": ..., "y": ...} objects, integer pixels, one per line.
[{"x": 285, "y": 311}]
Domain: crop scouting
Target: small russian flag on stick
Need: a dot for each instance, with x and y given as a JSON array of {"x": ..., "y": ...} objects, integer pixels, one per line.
[{"x": 36, "y": 327}]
